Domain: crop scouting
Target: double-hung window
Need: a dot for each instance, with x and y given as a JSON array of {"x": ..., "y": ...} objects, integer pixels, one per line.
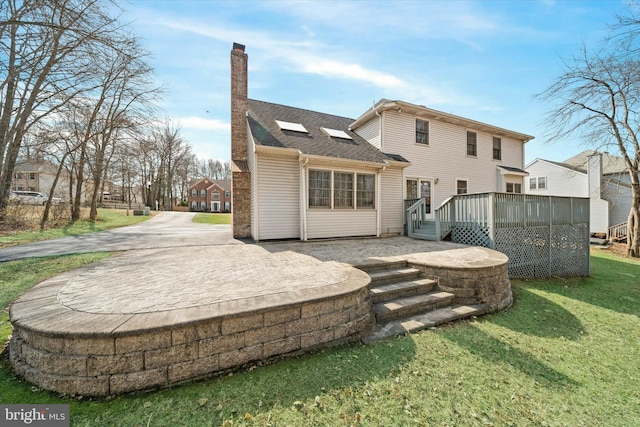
[
  {"x": 461, "y": 186},
  {"x": 366, "y": 191},
  {"x": 514, "y": 187},
  {"x": 497, "y": 148},
  {"x": 542, "y": 182},
  {"x": 472, "y": 144},
  {"x": 539, "y": 183},
  {"x": 342, "y": 190},
  {"x": 319, "y": 189},
  {"x": 422, "y": 132}
]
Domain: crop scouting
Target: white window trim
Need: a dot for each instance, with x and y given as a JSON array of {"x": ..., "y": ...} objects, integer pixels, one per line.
[
  {"x": 455, "y": 183},
  {"x": 537, "y": 179},
  {"x": 355, "y": 174},
  {"x": 501, "y": 151},
  {"x": 466, "y": 143},
  {"x": 422, "y": 144}
]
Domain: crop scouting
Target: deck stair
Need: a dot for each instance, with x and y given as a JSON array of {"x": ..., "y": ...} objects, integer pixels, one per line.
[
  {"x": 404, "y": 301},
  {"x": 426, "y": 231}
]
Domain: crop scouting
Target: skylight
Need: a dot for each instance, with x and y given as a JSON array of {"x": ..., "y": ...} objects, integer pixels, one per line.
[
  {"x": 335, "y": 133},
  {"x": 296, "y": 127}
]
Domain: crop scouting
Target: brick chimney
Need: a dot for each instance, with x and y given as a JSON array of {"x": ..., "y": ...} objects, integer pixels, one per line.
[{"x": 240, "y": 173}]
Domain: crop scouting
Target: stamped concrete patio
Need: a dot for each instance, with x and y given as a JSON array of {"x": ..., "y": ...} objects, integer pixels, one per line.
[{"x": 153, "y": 318}]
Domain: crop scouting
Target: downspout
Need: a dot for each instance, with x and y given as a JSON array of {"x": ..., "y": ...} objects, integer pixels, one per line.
[
  {"x": 303, "y": 197},
  {"x": 255, "y": 206},
  {"x": 378, "y": 203},
  {"x": 380, "y": 129}
]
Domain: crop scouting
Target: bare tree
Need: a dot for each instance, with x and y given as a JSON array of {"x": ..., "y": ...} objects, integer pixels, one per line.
[
  {"x": 598, "y": 98},
  {"x": 124, "y": 102},
  {"x": 47, "y": 57},
  {"x": 211, "y": 168},
  {"x": 172, "y": 151}
]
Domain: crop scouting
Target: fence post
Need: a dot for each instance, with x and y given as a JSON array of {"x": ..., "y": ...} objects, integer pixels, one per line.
[
  {"x": 491, "y": 223},
  {"x": 549, "y": 259}
]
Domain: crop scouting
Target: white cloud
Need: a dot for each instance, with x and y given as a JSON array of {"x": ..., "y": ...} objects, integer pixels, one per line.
[
  {"x": 305, "y": 56},
  {"x": 332, "y": 68}
]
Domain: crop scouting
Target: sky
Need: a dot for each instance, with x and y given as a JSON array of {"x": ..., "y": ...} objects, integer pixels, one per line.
[{"x": 483, "y": 60}]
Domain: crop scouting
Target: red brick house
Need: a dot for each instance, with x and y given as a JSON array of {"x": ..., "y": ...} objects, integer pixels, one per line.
[{"x": 206, "y": 195}]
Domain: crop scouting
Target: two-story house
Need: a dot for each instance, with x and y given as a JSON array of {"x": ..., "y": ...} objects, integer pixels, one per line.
[
  {"x": 303, "y": 174},
  {"x": 39, "y": 175},
  {"x": 602, "y": 177},
  {"x": 206, "y": 195}
]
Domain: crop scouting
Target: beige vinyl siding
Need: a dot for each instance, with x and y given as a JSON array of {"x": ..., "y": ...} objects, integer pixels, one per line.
[
  {"x": 323, "y": 223},
  {"x": 391, "y": 204},
  {"x": 371, "y": 132},
  {"x": 445, "y": 156},
  {"x": 278, "y": 198}
]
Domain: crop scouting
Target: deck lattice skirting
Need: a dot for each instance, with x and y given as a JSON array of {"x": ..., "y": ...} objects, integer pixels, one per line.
[{"x": 543, "y": 236}]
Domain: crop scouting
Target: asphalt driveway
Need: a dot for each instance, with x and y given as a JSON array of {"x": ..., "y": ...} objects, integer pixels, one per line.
[{"x": 165, "y": 230}]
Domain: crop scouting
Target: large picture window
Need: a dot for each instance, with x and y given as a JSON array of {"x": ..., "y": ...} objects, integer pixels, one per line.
[
  {"x": 341, "y": 190},
  {"x": 319, "y": 189}
]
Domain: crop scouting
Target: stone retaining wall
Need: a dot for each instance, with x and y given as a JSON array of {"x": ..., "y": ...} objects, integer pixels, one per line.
[
  {"x": 106, "y": 365},
  {"x": 488, "y": 285}
]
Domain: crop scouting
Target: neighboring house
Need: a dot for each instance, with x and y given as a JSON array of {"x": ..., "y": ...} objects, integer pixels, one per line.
[
  {"x": 38, "y": 175},
  {"x": 206, "y": 195},
  {"x": 602, "y": 177},
  {"x": 300, "y": 174}
]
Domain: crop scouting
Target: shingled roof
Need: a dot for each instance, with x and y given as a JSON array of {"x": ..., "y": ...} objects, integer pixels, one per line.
[
  {"x": 262, "y": 118},
  {"x": 610, "y": 164}
]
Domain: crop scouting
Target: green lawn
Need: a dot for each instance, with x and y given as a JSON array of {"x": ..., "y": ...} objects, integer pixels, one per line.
[
  {"x": 107, "y": 219},
  {"x": 566, "y": 354},
  {"x": 212, "y": 218}
]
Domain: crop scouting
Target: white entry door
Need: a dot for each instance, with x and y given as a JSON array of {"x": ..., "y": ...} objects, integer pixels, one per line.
[
  {"x": 422, "y": 188},
  {"x": 426, "y": 192},
  {"x": 215, "y": 206}
]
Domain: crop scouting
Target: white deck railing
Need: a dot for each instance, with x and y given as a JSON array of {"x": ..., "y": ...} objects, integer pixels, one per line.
[
  {"x": 542, "y": 235},
  {"x": 618, "y": 232}
]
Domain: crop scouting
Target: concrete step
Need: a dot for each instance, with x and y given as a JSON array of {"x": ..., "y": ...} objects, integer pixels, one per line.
[
  {"x": 423, "y": 321},
  {"x": 424, "y": 235},
  {"x": 401, "y": 289},
  {"x": 383, "y": 277},
  {"x": 408, "y": 306},
  {"x": 375, "y": 265}
]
